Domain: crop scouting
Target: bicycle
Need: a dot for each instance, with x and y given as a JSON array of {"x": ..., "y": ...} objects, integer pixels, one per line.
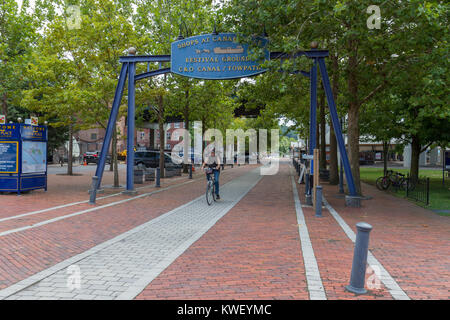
[
  {"x": 395, "y": 179},
  {"x": 210, "y": 187}
]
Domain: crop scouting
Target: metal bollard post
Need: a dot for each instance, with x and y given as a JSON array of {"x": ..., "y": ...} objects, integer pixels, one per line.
[
  {"x": 319, "y": 201},
  {"x": 190, "y": 171},
  {"x": 358, "y": 274},
  {"x": 308, "y": 190},
  {"x": 306, "y": 183},
  {"x": 93, "y": 190},
  {"x": 157, "y": 177}
]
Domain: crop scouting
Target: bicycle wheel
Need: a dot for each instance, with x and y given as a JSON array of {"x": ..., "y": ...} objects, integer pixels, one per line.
[
  {"x": 379, "y": 183},
  {"x": 383, "y": 183},
  {"x": 209, "y": 192},
  {"x": 214, "y": 192}
]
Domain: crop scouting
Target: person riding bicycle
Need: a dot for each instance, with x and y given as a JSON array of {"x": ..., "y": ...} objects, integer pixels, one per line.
[{"x": 213, "y": 162}]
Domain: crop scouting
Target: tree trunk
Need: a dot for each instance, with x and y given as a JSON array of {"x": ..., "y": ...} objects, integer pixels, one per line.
[
  {"x": 186, "y": 152},
  {"x": 353, "y": 119},
  {"x": 70, "y": 153},
  {"x": 161, "y": 136},
  {"x": 415, "y": 156},
  {"x": 5, "y": 105},
  {"x": 114, "y": 157},
  {"x": 334, "y": 174},
  {"x": 385, "y": 156},
  {"x": 323, "y": 148}
]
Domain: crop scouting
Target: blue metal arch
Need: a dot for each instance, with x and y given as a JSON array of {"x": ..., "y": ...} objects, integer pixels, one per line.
[{"x": 129, "y": 69}]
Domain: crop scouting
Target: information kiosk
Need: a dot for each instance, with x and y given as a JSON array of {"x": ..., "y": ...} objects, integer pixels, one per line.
[{"x": 23, "y": 157}]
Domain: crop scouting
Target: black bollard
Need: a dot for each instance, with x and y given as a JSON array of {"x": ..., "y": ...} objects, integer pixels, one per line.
[
  {"x": 157, "y": 177},
  {"x": 358, "y": 274},
  {"x": 93, "y": 190},
  {"x": 190, "y": 171},
  {"x": 319, "y": 201}
]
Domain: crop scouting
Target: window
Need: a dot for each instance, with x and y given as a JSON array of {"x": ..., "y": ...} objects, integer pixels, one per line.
[
  {"x": 168, "y": 134},
  {"x": 176, "y": 125},
  {"x": 93, "y": 136},
  {"x": 168, "y": 146},
  {"x": 142, "y": 135}
]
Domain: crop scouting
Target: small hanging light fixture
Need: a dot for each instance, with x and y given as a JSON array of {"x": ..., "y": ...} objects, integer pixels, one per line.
[{"x": 215, "y": 30}]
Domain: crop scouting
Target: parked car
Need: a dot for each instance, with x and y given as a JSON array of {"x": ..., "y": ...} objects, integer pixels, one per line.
[
  {"x": 150, "y": 159},
  {"x": 94, "y": 156}
]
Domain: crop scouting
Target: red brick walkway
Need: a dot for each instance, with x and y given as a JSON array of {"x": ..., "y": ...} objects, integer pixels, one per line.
[
  {"x": 27, "y": 252},
  {"x": 412, "y": 243},
  {"x": 251, "y": 253}
]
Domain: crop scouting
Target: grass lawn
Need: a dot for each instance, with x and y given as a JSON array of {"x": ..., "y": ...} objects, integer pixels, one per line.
[{"x": 439, "y": 195}]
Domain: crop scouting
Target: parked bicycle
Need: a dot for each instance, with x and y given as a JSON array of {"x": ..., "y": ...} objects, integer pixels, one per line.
[{"x": 395, "y": 179}]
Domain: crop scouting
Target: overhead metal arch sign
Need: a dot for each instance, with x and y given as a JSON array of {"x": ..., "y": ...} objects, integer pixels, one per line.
[{"x": 215, "y": 57}]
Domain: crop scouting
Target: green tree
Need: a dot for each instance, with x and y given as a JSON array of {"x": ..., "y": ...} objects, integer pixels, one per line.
[{"x": 17, "y": 38}]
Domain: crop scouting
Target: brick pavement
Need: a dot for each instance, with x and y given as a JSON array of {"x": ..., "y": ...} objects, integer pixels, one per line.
[
  {"x": 112, "y": 271},
  {"x": 252, "y": 253},
  {"x": 411, "y": 242},
  {"x": 25, "y": 253}
]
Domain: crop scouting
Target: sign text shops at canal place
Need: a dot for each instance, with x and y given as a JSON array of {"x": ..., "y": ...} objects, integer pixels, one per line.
[{"x": 215, "y": 57}]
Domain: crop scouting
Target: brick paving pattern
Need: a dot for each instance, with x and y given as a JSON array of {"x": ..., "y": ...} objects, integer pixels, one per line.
[
  {"x": 412, "y": 243},
  {"x": 252, "y": 252},
  {"x": 113, "y": 270},
  {"x": 25, "y": 253}
]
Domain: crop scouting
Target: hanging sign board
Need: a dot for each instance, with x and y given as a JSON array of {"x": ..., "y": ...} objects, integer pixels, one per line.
[
  {"x": 30, "y": 132},
  {"x": 215, "y": 57},
  {"x": 34, "y": 121},
  {"x": 2, "y": 119}
]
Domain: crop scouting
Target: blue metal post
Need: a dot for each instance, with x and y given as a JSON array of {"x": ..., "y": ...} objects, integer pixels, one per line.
[
  {"x": 337, "y": 127},
  {"x": 111, "y": 121},
  {"x": 341, "y": 172},
  {"x": 130, "y": 126},
  {"x": 313, "y": 111}
]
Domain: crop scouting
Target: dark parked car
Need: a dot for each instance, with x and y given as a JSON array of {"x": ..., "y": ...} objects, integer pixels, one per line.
[
  {"x": 150, "y": 159},
  {"x": 93, "y": 157}
]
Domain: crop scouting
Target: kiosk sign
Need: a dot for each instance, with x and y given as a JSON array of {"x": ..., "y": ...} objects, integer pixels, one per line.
[
  {"x": 215, "y": 57},
  {"x": 31, "y": 132},
  {"x": 9, "y": 153}
]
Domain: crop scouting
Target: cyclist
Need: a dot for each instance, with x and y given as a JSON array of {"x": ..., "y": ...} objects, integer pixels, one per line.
[{"x": 213, "y": 162}]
